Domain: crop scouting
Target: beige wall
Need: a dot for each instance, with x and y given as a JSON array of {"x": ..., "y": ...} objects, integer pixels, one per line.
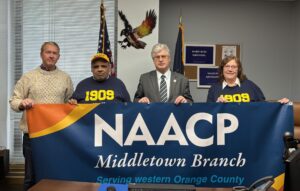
[
  {"x": 264, "y": 29},
  {"x": 296, "y": 67}
]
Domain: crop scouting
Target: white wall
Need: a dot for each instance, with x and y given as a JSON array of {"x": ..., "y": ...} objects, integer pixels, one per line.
[
  {"x": 133, "y": 62},
  {"x": 264, "y": 29},
  {"x": 3, "y": 71},
  {"x": 296, "y": 66}
]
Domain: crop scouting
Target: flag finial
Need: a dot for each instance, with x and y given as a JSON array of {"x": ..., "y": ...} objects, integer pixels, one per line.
[{"x": 180, "y": 16}]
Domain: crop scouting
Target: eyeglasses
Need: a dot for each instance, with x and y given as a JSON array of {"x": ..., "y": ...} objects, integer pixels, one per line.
[
  {"x": 161, "y": 56},
  {"x": 230, "y": 66}
]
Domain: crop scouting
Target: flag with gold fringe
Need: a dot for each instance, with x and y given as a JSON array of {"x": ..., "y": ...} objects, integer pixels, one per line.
[
  {"x": 179, "y": 54},
  {"x": 104, "y": 43}
]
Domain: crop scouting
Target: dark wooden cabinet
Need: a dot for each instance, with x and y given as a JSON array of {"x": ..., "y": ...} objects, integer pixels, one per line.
[{"x": 4, "y": 162}]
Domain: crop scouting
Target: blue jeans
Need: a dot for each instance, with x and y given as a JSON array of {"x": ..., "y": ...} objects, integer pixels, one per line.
[{"x": 29, "y": 179}]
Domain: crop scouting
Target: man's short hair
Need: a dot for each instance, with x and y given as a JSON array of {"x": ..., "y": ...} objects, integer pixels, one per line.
[{"x": 51, "y": 43}]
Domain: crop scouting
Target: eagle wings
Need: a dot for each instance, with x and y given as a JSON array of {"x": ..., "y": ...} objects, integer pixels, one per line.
[{"x": 132, "y": 36}]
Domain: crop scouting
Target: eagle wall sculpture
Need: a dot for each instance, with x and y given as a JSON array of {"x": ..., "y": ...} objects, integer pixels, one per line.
[{"x": 132, "y": 36}]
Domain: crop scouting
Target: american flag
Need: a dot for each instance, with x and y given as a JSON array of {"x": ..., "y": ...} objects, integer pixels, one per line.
[{"x": 104, "y": 43}]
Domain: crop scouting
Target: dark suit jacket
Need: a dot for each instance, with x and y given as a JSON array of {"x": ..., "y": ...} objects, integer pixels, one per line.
[{"x": 148, "y": 87}]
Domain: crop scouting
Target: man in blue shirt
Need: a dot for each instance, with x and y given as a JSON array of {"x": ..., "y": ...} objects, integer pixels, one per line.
[{"x": 101, "y": 87}]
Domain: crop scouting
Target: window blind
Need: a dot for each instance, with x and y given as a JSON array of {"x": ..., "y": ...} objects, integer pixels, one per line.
[{"x": 73, "y": 24}]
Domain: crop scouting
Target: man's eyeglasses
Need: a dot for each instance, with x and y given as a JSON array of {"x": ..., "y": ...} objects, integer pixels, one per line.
[{"x": 160, "y": 57}]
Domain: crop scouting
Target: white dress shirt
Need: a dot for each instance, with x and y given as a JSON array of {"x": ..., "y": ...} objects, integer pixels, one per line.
[
  {"x": 237, "y": 82},
  {"x": 168, "y": 79}
]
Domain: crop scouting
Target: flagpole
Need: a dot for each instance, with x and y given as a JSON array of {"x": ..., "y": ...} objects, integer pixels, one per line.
[
  {"x": 103, "y": 20},
  {"x": 182, "y": 41},
  {"x": 178, "y": 65}
]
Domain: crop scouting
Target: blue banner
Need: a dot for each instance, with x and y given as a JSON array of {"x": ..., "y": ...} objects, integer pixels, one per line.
[{"x": 203, "y": 144}]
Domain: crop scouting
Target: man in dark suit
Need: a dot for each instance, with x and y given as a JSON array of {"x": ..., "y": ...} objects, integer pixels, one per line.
[{"x": 162, "y": 85}]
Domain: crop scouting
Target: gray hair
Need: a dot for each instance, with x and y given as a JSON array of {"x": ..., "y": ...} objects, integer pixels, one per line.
[{"x": 158, "y": 47}]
